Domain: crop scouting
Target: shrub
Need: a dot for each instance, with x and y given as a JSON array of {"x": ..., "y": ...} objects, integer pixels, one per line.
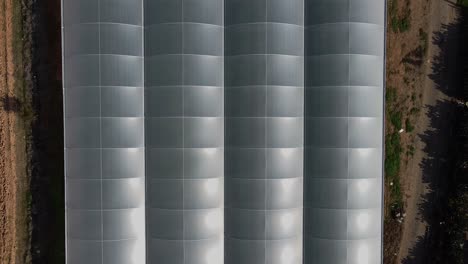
[
  {"x": 395, "y": 119},
  {"x": 390, "y": 95},
  {"x": 392, "y": 155},
  {"x": 408, "y": 125}
]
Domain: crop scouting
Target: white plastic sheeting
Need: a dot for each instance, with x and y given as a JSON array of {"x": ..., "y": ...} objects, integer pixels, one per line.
[
  {"x": 184, "y": 131},
  {"x": 223, "y": 131},
  {"x": 344, "y": 131},
  {"x": 264, "y": 62},
  {"x": 104, "y": 131}
]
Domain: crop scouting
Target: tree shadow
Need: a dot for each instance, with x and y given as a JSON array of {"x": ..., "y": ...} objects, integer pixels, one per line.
[
  {"x": 446, "y": 72},
  {"x": 10, "y": 104},
  {"x": 47, "y": 176},
  {"x": 440, "y": 143},
  {"x": 436, "y": 167}
]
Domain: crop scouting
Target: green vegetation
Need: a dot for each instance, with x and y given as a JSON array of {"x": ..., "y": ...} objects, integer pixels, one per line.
[
  {"x": 408, "y": 125},
  {"x": 393, "y": 8},
  {"x": 392, "y": 155},
  {"x": 463, "y": 2},
  {"x": 393, "y": 146},
  {"x": 399, "y": 23},
  {"x": 21, "y": 45},
  {"x": 393, "y": 152},
  {"x": 414, "y": 110},
  {"x": 20, "y": 103},
  {"x": 395, "y": 119},
  {"x": 424, "y": 41},
  {"x": 393, "y": 149},
  {"x": 410, "y": 151},
  {"x": 390, "y": 95}
]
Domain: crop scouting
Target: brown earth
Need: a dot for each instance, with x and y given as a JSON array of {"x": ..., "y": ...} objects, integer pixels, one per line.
[
  {"x": 426, "y": 174},
  {"x": 7, "y": 141},
  {"x": 14, "y": 216},
  {"x": 421, "y": 69},
  {"x": 405, "y": 72}
]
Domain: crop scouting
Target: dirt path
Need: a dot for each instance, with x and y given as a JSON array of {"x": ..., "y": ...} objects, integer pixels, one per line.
[
  {"x": 14, "y": 223},
  {"x": 423, "y": 178},
  {"x": 7, "y": 139}
]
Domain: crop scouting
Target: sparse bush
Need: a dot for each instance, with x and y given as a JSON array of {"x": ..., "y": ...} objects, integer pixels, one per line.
[
  {"x": 411, "y": 150},
  {"x": 399, "y": 23},
  {"x": 392, "y": 155},
  {"x": 390, "y": 95},
  {"x": 414, "y": 110},
  {"x": 424, "y": 42},
  {"x": 408, "y": 125},
  {"x": 395, "y": 119}
]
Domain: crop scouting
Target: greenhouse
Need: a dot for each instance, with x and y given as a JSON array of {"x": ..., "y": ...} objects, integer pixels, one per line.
[{"x": 223, "y": 131}]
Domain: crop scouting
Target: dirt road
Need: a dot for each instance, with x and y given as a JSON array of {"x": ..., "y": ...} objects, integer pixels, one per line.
[
  {"x": 13, "y": 157},
  {"x": 423, "y": 178},
  {"x": 7, "y": 140}
]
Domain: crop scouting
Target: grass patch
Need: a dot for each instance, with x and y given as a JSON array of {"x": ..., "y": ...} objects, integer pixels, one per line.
[
  {"x": 395, "y": 119},
  {"x": 424, "y": 42},
  {"x": 390, "y": 95},
  {"x": 393, "y": 8},
  {"x": 22, "y": 56},
  {"x": 409, "y": 127},
  {"x": 399, "y": 23},
  {"x": 392, "y": 155},
  {"x": 396, "y": 195},
  {"x": 21, "y": 104},
  {"x": 414, "y": 110},
  {"x": 393, "y": 152}
]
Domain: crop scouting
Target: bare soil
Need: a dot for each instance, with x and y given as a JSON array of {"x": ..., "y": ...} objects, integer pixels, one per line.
[
  {"x": 425, "y": 84},
  {"x": 406, "y": 63},
  {"x": 7, "y": 141},
  {"x": 425, "y": 175},
  {"x": 14, "y": 135}
]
